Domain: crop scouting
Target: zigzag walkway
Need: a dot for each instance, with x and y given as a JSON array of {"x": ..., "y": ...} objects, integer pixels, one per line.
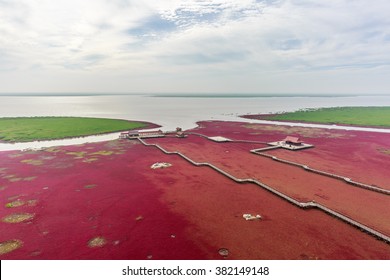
[
  {"x": 328, "y": 174},
  {"x": 307, "y": 168},
  {"x": 231, "y": 140},
  {"x": 304, "y": 205}
]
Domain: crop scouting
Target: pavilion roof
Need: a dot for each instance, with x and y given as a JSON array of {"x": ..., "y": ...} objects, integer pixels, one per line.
[{"x": 293, "y": 139}]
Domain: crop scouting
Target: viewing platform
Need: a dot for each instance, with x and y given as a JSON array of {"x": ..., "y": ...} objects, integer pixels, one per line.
[
  {"x": 135, "y": 134},
  {"x": 291, "y": 143}
]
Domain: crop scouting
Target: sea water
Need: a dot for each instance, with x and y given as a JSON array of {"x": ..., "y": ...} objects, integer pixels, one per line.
[{"x": 168, "y": 110}]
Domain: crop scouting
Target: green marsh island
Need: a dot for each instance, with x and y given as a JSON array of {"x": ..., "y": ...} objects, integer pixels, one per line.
[
  {"x": 24, "y": 129},
  {"x": 359, "y": 116}
]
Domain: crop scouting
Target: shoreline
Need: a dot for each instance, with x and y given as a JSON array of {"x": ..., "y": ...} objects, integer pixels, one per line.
[
  {"x": 148, "y": 125},
  {"x": 264, "y": 117},
  {"x": 68, "y": 141},
  {"x": 97, "y": 201},
  {"x": 250, "y": 119}
]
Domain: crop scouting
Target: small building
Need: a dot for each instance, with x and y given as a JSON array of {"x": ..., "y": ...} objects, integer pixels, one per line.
[
  {"x": 151, "y": 133},
  {"x": 133, "y": 134},
  {"x": 180, "y": 133},
  {"x": 291, "y": 140},
  {"x": 123, "y": 135},
  {"x": 290, "y": 143}
]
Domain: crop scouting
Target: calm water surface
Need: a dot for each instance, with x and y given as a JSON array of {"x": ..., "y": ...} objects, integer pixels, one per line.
[{"x": 169, "y": 111}]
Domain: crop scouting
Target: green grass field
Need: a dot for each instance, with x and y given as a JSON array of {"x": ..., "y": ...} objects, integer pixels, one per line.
[
  {"x": 363, "y": 116},
  {"x": 47, "y": 128}
]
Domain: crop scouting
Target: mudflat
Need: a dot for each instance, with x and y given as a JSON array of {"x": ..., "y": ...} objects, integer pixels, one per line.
[{"x": 105, "y": 201}]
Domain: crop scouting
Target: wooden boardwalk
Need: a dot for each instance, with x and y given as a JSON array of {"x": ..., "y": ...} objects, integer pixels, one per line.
[
  {"x": 323, "y": 173},
  {"x": 304, "y": 205},
  {"x": 260, "y": 151}
]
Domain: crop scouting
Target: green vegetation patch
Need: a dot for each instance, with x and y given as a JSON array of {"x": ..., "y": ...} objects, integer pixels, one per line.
[
  {"x": 384, "y": 151},
  {"x": 103, "y": 153},
  {"x": 9, "y": 246},
  {"x": 32, "y": 161},
  {"x": 78, "y": 155},
  {"x": 19, "y": 202},
  {"x": 18, "y": 218},
  {"x": 29, "y": 179},
  {"x": 16, "y": 179},
  {"x": 92, "y": 186},
  {"x": 363, "y": 116},
  {"x": 48, "y": 128},
  {"x": 16, "y": 203},
  {"x": 97, "y": 242}
]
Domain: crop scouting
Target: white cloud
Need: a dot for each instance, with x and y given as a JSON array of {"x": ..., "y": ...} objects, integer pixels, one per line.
[{"x": 209, "y": 45}]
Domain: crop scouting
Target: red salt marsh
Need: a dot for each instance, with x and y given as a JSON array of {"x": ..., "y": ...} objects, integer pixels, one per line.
[
  {"x": 103, "y": 201},
  {"x": 367, "y": 207},
  {"x": 94, "y": 201},
  {"x": 361, "y": 156}
]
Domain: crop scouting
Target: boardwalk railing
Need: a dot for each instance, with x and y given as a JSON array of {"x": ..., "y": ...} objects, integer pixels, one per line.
[
  {"x": 307, "y": 168},
  {"x": 231, "y": 140},
  {"x": 328, "y": 174},
  {"x": 304, "y": 205}
]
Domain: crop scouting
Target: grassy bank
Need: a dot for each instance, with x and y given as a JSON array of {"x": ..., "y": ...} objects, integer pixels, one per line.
[
  {"x": 46, "y": 128},
  {"x": 361, "y": 116}
]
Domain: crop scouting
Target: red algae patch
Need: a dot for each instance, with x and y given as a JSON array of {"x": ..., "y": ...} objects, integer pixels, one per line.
[
  {"x": 290, "y": 180},
  {"x": 18, "y": 218},
  {"x": 9, "y": 246},
  {"x": 303, "y": 131},
  {"x": 132, "y": 212},
  {"x": 97, "y": 242}
]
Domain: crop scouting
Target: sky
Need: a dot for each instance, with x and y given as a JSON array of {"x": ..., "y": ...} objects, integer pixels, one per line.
[{"x": 195, "y": 46}]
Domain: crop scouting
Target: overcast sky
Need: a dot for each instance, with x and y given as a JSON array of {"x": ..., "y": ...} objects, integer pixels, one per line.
[{"x": 233, "y": 46}]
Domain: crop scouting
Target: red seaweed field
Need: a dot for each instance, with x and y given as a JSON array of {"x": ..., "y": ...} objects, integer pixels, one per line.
[{"x": 104, "y": 201}]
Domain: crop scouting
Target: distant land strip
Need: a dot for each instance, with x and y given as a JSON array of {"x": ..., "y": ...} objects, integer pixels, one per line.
[
  {"x": 354, "y": 116},
  {"x": 25, "y": 129},
  {"x": 250, "y": 95}
]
